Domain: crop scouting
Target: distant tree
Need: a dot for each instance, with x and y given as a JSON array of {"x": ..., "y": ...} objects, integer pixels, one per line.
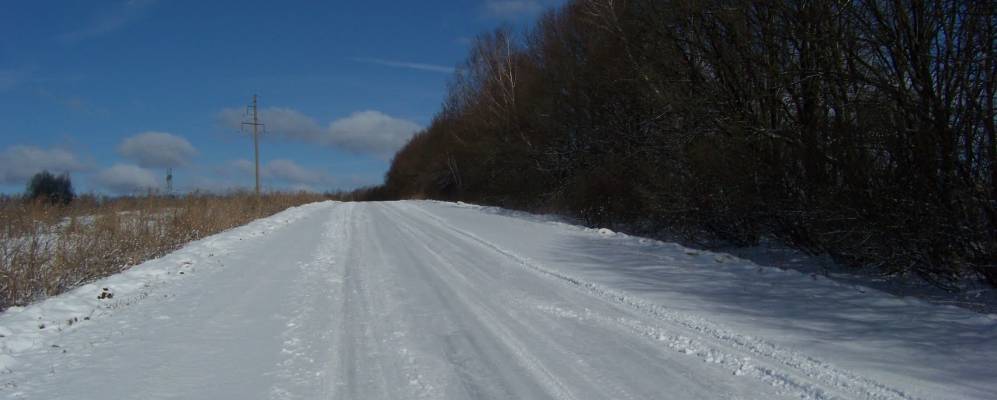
[{"x": 50, "y": 188}]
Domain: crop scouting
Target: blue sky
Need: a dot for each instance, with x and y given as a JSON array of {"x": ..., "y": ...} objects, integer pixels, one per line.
[{"x": 114, "y": 92}]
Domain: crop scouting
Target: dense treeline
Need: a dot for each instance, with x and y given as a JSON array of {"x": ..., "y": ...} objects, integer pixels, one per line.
[{"x": 864, "y": 128}]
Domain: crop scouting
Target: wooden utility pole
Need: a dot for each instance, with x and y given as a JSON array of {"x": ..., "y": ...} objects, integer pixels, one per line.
[{"x": 256, "y": 141}]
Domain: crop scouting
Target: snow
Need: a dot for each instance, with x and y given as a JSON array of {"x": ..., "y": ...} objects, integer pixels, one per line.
[
  {"x": 439, "y": 300},
  {"x": 971, "y": 292}
]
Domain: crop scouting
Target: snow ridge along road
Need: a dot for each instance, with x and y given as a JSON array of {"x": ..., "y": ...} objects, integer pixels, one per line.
[{"x": 409, "y": 300}]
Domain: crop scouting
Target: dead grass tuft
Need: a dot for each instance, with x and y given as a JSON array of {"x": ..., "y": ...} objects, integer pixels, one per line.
[{"x": 46, "y": 250}]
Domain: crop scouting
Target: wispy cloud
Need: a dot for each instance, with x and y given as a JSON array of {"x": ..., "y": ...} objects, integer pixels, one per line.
[
  {"x": 406, "y": 64},
  {"x": 109, "y": 20}
]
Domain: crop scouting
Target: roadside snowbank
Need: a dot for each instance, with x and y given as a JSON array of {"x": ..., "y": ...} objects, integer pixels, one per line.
[
  {"x": 943, "y": 350},
  {"x": 40, "y": 324}
]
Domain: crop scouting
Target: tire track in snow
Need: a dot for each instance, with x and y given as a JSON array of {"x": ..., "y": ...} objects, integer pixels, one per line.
[
  {"x": 484, "y": 316},
  {"x": 522, "y": 317},
  {"x": 413, "y": 381},
  {"x": 309, "y": 340},
  {"x": 364, "y": 375},
  {"x": 809, "y": 377}
]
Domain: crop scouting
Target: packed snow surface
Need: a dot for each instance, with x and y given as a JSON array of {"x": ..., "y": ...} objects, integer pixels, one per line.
[{"x": 409, "y": 300}]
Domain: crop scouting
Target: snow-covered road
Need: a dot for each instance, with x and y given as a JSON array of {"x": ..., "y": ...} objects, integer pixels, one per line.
[{"x": 432, "y": 300}]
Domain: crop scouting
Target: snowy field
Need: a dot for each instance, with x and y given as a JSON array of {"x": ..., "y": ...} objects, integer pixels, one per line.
[{"x": 434, "y": 300}]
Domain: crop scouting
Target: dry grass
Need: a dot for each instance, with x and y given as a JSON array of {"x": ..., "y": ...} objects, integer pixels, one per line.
[{"x": 46, "y": 250}]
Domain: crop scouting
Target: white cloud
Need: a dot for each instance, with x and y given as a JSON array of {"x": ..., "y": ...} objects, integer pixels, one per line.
[
  {"x": 19, "y": 163},
  {"x": 371, "y": 132},
  {"x": 289, "y": 171},
  {"x": 126, "y": 179},
  {"x": 157, "y": 150},
  {"x": 365, "y": 132},
  {"x": 109, "y": 20},
  {"x": 291, "y": 123},
  {"x": 511, "y": 9},
  {"x": 281, "y": 121},
  {"x": 282, "y": 170},
  {"x": 406, "y": 64},
  {"x": 241, "y": 166}
]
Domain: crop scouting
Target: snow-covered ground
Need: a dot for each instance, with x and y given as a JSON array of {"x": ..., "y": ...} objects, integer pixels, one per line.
[
  {"x": 436, "y": 300},
  {"x": 970, "y": 292}
]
